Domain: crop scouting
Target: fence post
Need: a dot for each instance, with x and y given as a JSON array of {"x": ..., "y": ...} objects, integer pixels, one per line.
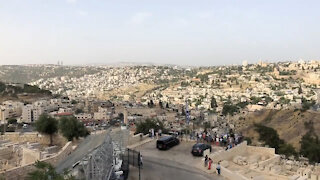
[{"x": 139, "y": 161}]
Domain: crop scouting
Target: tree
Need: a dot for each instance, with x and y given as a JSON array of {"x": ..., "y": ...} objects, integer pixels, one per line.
[
  {"x": 150, "y": 104},
  {"x": 310, "y": 144},
  {"x": 71, "y": 128},
  {"x": 300, "y": 90},
  {"x": 12, "y": 121},
  {"x": 306, "y": 104},
  {"x": 213, "y": 102},
  {"x": 310, "y": 147},
  {"x": 79, "y": 111},
  {"x": 47, "y": 125},
  {"x": 271, "y": 138},
  {"x": 229, "y": 109},
  {"x": 183, "y": 111},
  {"x": 145, "y": 126},
  {"x": 121, "y": 117},
  {"x": 46, "y": 171}
]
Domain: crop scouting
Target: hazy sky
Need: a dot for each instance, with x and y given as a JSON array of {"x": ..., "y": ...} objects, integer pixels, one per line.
[{"x": 191, "y": 32}]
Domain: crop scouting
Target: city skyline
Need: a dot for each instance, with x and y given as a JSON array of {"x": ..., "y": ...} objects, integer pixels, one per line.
[{"x": 162, "y": 32}]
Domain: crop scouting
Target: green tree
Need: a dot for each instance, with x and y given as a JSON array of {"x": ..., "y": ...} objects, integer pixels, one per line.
[
  {"x": 269, "y": 136},
  {"x": 45, "y": 171},
  {"x": 310, "y": 144},
  {"x": 79, "y": 111},
  {"x": 306, "y": 104},
  {"x": 47, "y": 125},
  {"x": 229, "y": 108},
  {"x": 160, "y": 104},
  {"x": 145, "y": 126},
  {"x": 287, "y": 150},
  {"x": 310, "y": 147},
  {"x": 71, "y": 128},
  {"x": 213, "y": 102},
  {"x": 300, "y": 90},
  {"x": 12, "y": 121}
]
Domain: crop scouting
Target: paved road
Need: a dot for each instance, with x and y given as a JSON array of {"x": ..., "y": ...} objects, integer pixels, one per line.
[
  {"x": 87, "y": 145},
  {"x": 176, "y": 163},
  {"x": 159, "y": 169}
]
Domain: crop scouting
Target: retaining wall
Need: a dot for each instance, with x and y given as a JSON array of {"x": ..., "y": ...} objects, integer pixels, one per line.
[
  {"x": 19, "y": 173},
  {"x": 32, "y": 137},
  {"x": 227, "y": 155}
]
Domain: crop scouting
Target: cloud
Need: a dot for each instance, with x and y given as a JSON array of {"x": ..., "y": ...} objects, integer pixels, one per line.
[
  {"x": 140, "y": 17},
  {"x": 83, "y": 13},
  {"x": 71, "y": 1}
]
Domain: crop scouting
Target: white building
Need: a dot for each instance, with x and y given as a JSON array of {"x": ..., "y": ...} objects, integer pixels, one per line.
[{"x": 27, "y": 113}]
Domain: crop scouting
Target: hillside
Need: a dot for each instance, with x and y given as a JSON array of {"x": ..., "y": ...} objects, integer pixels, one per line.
[
  {"x": 27, "y": 74},
  {"x": 289, "y": 124},
  {"x": 22, "y": 92}
]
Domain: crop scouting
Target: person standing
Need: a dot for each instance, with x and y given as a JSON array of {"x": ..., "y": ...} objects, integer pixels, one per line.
[
  {"x": 218, "y": 168},
  {"x": 206, "y": 161},
  {"x": 210, "y": 162}
]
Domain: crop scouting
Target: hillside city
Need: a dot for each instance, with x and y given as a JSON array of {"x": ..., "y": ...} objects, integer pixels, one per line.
[{"x": 263, "y": 116}]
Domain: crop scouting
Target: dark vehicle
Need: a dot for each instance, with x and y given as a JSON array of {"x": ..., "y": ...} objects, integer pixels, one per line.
[
  {"x": 167, "y": 142},
  {"x": 197, "y": 149}
]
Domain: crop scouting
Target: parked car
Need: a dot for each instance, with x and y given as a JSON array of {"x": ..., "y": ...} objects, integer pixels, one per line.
[
  {"x": 167, "y": 142},
  {"x": 199, "y": 148}
]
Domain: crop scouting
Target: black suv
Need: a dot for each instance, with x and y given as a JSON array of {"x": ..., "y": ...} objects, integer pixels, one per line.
[
  {"x": 167, "y": 142},
  {"x": 197, "y": 149}
]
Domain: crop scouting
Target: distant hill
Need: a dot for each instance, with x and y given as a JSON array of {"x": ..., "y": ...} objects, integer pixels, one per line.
[
  {"x": 21, "y": 92},
  {"x": 29, "y": 73},
  {"x": 290, "y": 124}
]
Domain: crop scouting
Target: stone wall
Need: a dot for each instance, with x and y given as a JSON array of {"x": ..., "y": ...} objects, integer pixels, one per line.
[
  {"x": 227, "y": 155},
  {"x": 231, "y": 175},
  {"x": 5, "y": 152},
  {"x": 33, "y": 137},
  {"x": 19, "y": 173},
  {"x": 261, "y": 150},
  {"x": 133, "y": 139}
]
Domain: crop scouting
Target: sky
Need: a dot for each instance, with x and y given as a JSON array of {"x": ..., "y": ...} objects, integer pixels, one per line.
[{"x": 183, "y": 32}]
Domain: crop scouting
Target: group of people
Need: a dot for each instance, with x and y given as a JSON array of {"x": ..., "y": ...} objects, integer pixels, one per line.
[
  {"x": 153, "y": 133},
  {"x": 228, "y": 140},
  {"x": 208, "y": 162}
]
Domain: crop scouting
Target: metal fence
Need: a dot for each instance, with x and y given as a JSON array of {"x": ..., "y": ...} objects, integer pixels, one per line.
[{"x": 98, "y": 164}]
